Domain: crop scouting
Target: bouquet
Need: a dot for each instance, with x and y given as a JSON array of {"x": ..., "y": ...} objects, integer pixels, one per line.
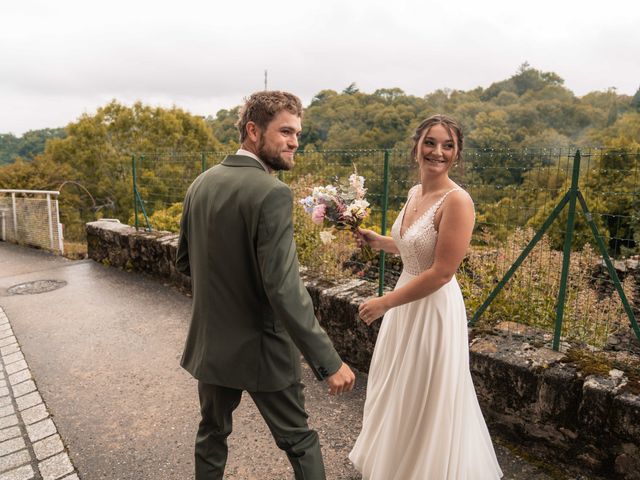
[{"x": 343, "y": 208}]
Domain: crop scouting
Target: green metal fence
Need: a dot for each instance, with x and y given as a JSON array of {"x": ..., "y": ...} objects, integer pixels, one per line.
[{"x": 569, "y": 211}]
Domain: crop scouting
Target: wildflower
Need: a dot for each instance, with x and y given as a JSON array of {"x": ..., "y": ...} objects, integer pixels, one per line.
[
  {"x": 318, "y": 213},
  {"x": 326, "y": 237},
  {"x": 343, "y": 207}
]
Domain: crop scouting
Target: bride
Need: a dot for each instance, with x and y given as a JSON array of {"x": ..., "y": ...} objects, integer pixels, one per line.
[{"x": 421, "y": 416}]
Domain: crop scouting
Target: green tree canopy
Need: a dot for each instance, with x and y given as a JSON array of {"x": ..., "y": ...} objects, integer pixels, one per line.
[{"x": 28, "y": 145}]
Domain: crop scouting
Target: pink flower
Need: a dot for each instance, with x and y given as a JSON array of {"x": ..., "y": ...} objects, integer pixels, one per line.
[{"x": 317, "y": 216}]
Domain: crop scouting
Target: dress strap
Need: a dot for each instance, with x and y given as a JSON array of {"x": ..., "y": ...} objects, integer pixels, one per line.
[
  {"x": 412, "y": 191},
  {"x": 442, "y": 199}
]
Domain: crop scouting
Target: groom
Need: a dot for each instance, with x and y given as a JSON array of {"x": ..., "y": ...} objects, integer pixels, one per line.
[{"x": 252, "y": 315}]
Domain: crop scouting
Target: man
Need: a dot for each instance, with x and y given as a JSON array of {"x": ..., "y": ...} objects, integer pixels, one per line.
[{"x": 252, "y": 315}]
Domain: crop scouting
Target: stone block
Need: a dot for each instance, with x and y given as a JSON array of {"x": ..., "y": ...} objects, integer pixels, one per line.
[
  {"x": 28, "y": 400},
  {"x": 23, "y": 388},
  {"x": 7, "y": 410},
  {"x": 55, "y": 467},
  {"x": 12, "y": 445},
  {"x": 16, "y": 367},
  {"x": 9, "y": 349},
  {"x": 627, "y": 463},
  {"x": 12, "y": 357},
  {"x": 8, "y": 421},
  {"x": 22, "y": 473},
  {"x": 11, "y": 432},
  {"x": 48, "y": 447},
  {"x": 13, "y": 460},
  {"x": 625, "y": 416},
  {"x": 6, "y": 333},
  {"x": 20, "y": 377},
  {"x": 34, "y": 414},
  {"x": 43, "y": 429},
  {"x": 7, "y": 341}
]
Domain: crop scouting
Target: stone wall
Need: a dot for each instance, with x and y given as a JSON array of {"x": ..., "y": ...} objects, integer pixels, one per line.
[{"x": 528, "y": 394}]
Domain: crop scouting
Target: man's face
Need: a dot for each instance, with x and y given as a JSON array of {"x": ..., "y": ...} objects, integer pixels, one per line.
[{"x": 279, "y": 142}]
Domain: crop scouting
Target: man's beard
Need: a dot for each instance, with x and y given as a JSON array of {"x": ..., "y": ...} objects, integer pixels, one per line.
[{"x": 272, "y": 158}]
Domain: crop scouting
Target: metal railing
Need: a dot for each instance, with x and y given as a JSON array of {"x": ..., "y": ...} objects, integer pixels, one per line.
[
  {"x": 529, "y": 235},
  {"x": 31, "y": 217}
]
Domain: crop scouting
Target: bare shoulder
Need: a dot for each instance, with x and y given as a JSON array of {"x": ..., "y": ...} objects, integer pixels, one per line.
[
  {"x": 458, "y": 206},
  {"x": 459, "y": 198}
]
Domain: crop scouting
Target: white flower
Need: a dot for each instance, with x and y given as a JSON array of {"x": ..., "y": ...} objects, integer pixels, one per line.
[
  {"x": 357, "y": 209},
  {"x": 326, "y": 237},
  {"x": 356, "y": 181},
  {"x": 324, "y": 194},
  {"x": 356, "y": 186}
]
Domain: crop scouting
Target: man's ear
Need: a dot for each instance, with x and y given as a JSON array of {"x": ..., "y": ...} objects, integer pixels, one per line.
[{"x": 253, "y": 132}]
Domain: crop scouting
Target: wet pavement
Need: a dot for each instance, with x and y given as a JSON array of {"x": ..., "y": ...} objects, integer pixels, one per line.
[{"x": 103, "y": 350}]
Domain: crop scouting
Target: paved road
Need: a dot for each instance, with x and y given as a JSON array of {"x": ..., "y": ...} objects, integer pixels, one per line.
[{"x": 104, "y": 353}]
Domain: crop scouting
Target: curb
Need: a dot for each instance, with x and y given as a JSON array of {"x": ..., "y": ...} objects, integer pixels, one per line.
[{"x": 30, "y": 445}]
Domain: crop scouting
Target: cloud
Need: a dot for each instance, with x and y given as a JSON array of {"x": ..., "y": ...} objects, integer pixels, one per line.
[{"x": 61, "y": 59}]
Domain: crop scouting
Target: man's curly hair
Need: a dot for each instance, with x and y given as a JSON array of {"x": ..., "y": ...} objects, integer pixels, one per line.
[{"x": 261, "y": 107}]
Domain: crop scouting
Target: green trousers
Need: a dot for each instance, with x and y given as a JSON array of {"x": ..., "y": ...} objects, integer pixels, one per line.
[{"x": 285, "y": 416}]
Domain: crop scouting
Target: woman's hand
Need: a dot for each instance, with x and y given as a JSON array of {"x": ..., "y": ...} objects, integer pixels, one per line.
[
  {"x": 367, "y": 237},
  {"x": 373, "y": 309}
]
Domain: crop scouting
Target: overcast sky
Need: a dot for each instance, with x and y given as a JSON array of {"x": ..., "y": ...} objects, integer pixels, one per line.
[{"x": 61, "y": 59}]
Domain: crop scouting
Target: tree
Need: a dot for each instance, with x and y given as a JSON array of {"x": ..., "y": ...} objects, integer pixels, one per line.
[
  {"x": 351, "y": 89},
  {"x": 98, "y": 150},
  {"x": 635, "y": 101},
  {"x": 224, "y": 128},
  {"x": 28, "y": 146}
]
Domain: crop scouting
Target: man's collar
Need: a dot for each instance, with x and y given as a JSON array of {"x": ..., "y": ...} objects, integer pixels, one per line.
[
  {"x": 242, "y": 161},
  {"x": 247, "y": 153}
]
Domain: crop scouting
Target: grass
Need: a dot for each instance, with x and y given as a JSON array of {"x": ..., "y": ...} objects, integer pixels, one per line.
[{"x": 75, "y": 250}]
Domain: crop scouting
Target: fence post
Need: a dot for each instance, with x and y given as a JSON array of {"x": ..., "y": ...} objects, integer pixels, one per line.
[
  {"x": 566, "y": 254},
  {"x": 383, "y": 226},
  {"x": 50, "y": 214},
  {"x": 60, "y": 233},
  {"x": 15, "y": 217},
  {"x": 203, "y": 162},
  {"x": 135, "y": 191}
]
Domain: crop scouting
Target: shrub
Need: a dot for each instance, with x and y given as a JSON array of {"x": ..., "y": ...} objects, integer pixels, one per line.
[{"x": 530, "y": 296}]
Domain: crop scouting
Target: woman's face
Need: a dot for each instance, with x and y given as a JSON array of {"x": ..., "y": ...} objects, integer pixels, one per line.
[{"x": 438, "y": 149}]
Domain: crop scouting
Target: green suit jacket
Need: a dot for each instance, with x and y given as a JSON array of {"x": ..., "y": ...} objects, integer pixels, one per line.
[{"x": 252, "y": 315}]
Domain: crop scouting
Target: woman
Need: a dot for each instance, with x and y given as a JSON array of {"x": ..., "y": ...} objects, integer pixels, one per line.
[{"x": 421, "y": 416}]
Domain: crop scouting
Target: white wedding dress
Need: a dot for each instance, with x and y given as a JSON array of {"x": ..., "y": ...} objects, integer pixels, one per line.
[{"x": 421, "y": 419}]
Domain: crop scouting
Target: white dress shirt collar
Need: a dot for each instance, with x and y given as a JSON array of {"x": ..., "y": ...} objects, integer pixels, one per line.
[{"x": 247, "y": 153}]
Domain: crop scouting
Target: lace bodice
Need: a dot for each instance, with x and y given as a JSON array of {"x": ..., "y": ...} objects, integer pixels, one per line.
[{"x": 418, "y": 244}]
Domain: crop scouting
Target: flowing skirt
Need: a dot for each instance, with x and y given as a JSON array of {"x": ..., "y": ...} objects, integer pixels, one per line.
[{"x": 421, "y": 415}]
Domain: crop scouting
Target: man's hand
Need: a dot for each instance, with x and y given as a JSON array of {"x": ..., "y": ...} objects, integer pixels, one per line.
[{"x": 341, "y": 381}]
